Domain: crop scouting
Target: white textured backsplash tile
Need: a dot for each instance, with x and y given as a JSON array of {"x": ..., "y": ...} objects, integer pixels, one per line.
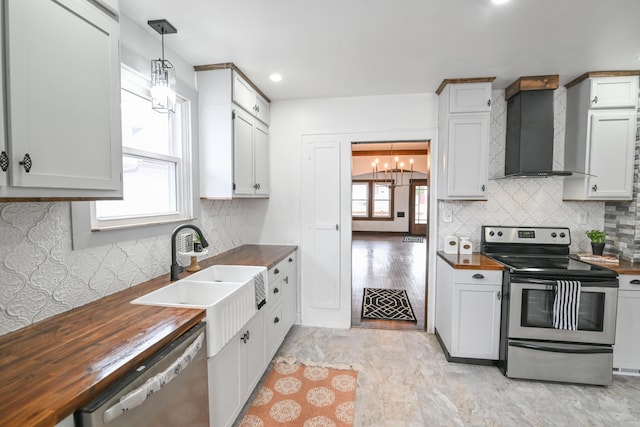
[
  {"x": 522, "y": 201},
  {"x": 40, "y": 275}
]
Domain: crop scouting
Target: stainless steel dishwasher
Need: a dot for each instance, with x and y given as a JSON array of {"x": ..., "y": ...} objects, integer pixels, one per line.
[{"x": 169, "y": 389}]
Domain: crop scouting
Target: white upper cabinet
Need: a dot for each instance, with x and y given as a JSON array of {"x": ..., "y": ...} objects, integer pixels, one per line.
[
  {"x": 234, "y": 141},
  {"x": 248, "y": 98},
  {"x": 470, "y": 98},
  {"x": 614, "y": 92},
  {"x": 463, "y": 139},
  {"x": 63, "y": 99},
  {"x": 599, "y": 140}
]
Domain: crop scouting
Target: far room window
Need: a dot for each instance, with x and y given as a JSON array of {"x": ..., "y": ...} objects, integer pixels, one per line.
[
  {"x": 155, "y": 162},
  {"x": 371, "y": 200}
]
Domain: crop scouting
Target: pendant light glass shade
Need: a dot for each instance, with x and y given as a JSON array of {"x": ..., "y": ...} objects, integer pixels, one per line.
[
  {"x": 163, "y": 86},
  {"x": 163, "y": 75}
]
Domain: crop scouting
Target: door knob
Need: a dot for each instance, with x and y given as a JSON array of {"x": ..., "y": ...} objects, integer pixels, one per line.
[{"x": 595, "y": 188}]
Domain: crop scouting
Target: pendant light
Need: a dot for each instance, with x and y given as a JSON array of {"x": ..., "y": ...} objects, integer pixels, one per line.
[{"x": 163, "y": 76}]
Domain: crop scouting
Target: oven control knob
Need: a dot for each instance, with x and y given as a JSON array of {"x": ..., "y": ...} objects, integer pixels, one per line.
[
  {"x": 491, "y": 233},
  {"x": 554, "y": 235},
  {"x": 562, "y": 235},
  {"x": 499, "y": 233}
]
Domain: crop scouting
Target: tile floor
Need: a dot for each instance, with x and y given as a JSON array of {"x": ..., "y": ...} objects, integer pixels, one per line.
[{"x": 405, "y": 380}]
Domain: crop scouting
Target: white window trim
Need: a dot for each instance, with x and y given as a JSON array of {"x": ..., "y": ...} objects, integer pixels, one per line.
[{"x": 83, "y": 236}]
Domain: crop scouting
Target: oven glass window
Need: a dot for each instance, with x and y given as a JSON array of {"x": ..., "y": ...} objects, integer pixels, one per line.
[{"x": 537, "y": 310}]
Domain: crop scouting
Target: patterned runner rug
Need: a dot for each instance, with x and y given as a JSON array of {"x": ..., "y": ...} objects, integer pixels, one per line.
[
  {"x": 387, "y": 304},
  {"x": 299, "y": 395}
]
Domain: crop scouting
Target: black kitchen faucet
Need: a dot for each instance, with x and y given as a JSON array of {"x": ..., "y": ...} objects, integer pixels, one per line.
[{"x": 175, "y": 268}]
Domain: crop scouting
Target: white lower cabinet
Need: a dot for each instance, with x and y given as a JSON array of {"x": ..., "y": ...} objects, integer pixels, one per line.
[
  {"x": 236, "y": 369},
  {"x": 468, "y": 311},
  {"x": 626, "y": 351}
]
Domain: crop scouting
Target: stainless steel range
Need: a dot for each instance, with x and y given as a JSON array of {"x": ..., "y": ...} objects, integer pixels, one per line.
[{"x": 541, "y": 285}]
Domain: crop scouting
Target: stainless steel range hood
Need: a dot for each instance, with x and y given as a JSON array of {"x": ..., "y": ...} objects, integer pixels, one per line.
[{"x": 529, "y": 147}]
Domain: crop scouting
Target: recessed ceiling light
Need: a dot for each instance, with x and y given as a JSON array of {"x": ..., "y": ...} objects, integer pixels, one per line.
[
  {"x": 499, "y": 1},
  {"x": 275, "y": 77}
]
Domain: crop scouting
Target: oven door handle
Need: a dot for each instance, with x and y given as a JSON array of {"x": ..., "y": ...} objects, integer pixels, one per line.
[
  {"x": 541, "y": 347},
  {"x": 535, "y": 281}
]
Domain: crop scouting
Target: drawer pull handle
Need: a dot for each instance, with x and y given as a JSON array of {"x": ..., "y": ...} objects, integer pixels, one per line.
[
  {"x": 276, "y": 320},
  {"x": 276, "y": 271},
  {"x": 276, "y": 290},
  {"x": 290, "y": 259},
  {"x": 478, "y": 276},
  {"x": 635, "y": 282}
]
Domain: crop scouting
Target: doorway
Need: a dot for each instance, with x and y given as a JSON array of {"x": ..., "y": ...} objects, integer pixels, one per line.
[
  {"x": 419, "y": 207},
  {"x": 390, "y": 190}
]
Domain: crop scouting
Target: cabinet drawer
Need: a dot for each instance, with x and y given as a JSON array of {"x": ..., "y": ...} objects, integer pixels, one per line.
[
  {"x": 274, "y": 331},
  {"x": 282, "y": 268},
  {"x": 630, "y": 282},
  {"x": 614, "y": 92},
  {"x": 477, "y": 276}
]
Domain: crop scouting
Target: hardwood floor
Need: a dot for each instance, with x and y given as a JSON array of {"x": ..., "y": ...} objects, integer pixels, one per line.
[{"x": 383, "y": 260}]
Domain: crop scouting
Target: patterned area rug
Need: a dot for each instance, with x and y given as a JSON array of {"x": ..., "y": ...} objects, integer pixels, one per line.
[
  {"x": 413, "y": 239},
  {"x": 387, "y": 304},
  {"x": 299, "y": 395}
]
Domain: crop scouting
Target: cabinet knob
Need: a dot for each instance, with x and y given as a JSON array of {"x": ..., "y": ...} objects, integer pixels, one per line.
[
  {"x": 290, "y": 259},
  {"x": 478, "y": 276},
  {"x": 499, "y": 295},
  {"x": 276, "y": 320},
  {"x": 26, "y": 163},
  {"x": 4, "y": 161},
  {"x": 276, "y": 290},
  {"x": 286, "y": 280},
  {"x": 595, "y": 100},
  {"x": 488, "y": 103},
  {"x": 276, "y": 271},
  {"x": 635, "y": 282},
  {"x": 483, "y": 187},
  {"x": 595, "y": 188}
]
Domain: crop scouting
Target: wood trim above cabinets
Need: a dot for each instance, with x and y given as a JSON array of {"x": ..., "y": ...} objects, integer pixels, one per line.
[
  {"x": 592, "y": 74},
  {"x": 232, "y": 66},
  {"x": 445, "y": 82},
  {"x": 532, "y": 83}
]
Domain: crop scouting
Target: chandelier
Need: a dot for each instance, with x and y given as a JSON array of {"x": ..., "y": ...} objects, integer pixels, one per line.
[
  {"x": 393, "y": 177},
  {"x": 163, "y": 77}
]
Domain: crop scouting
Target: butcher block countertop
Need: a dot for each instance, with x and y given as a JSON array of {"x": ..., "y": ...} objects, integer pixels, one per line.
[
  {"x": 51, "y": 368},
  {"x": 475, "y": 261},
  {"x": 624, "y": 267}
]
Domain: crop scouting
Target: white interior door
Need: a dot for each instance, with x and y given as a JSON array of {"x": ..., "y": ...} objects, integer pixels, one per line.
[{"x": 326, "y": 283}]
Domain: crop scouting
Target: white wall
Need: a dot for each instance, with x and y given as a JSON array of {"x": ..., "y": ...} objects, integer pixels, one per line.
[{"x": 384, "y": 116}]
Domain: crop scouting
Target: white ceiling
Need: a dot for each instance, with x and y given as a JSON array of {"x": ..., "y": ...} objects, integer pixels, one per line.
[{"x": 373, "y": 47}]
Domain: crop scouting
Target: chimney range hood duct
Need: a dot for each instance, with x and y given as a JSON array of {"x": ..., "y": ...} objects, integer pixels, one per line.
[{"x": 529, "y": 147}]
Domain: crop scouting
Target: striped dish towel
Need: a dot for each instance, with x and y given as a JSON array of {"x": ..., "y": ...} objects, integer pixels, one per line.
[
  {"x": 260, "y": 285},
  {"x": 566, "y": 305}
]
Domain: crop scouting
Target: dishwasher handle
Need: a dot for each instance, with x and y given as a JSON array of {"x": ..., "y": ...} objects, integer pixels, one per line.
[{"x": 138, "y": 396}]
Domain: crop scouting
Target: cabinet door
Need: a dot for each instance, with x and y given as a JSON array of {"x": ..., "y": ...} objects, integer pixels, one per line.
[
  {"x": 470, "y": 98},
  {"x": 261, "y": 159},
  {"x": 611, "y": 154},
  {"x": 4, "y": 155},
  {"x": 274, "y": 326},
  {"x": 262, "y": 109},
  {"x": 243, "y": 153},
  {"x": 468, "y": 152},
  {"x": 476, "y": 317},
  {"x": 614, "y": 92},
  {"x": 63, "y": 95},
  {"x": 252, "y": 354},
  {"x": 626, "y": 351},
  {"x": 225, "y": 395},
  {"x": 290, "y": 299},
  {"x": 243, "y": 93}
]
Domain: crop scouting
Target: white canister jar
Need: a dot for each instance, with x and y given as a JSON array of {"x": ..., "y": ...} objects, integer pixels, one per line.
[
  {"x": 466, "y": 248},
  {"x": 451, "y": 244}
]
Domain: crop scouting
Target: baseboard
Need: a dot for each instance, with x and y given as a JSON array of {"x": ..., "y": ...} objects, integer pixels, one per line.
[{"x": 468, "y": 360}]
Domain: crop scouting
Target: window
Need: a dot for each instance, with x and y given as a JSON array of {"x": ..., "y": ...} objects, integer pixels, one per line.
[
  {"x": 155, "y": 162},
  {"x": 371, "y": 200}
]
